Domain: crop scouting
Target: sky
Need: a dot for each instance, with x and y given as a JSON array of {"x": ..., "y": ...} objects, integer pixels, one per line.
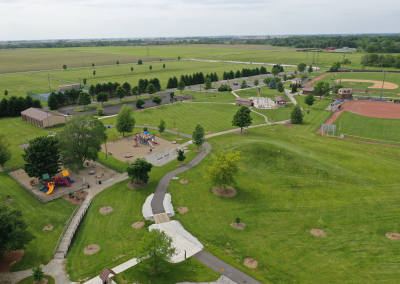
[{"x": 77, "y": 19}]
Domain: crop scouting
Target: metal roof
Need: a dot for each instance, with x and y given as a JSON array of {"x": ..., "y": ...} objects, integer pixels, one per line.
[
  {"x": 244, "y": 99},
  {"x": 280, "y": 99},
  {"x": 104, "y": 275},
  {"x": 38, "y": 113}
]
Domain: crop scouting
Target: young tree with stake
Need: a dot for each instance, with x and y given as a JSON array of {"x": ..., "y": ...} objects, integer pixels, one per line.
[
  {"x": 198, "y": 136},
  {"x": 161, "y": 126}
]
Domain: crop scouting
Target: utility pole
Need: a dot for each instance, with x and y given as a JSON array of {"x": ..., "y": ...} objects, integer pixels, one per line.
[
  {"x": 333, "y": 93},
  {"x": 48, "y": 79},
  {"x": 383, "y": 56},
  {"x": 316, "y": 71},
  {"x": 384, "y": 74},
  {"x": 147, "y": 51},
  {"x": 341, "y": 71}
]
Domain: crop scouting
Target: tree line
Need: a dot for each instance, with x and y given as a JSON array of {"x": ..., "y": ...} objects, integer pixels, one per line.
[
  {"x": 14, "y": 106},
  {"x": 376, "y": 60}
]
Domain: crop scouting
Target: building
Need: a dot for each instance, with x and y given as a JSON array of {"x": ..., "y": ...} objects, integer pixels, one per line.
[
  {"x": 330, "y": 48},
  {"x": 69, "y": 87},
  {"x": 244, "y": 102},
  {"x": 308, "y": 90},
  {"x": 41, "y": 117},
  {"x": 281, "y": 101},
  {"x": 345, "y": 93},
  {"x": 296, "y": 81}
]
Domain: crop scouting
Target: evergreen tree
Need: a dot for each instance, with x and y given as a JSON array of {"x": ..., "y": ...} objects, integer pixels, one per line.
[
  {"x": 140, "y": 62},
  {"x": 156, "y": 84},
  {"x": 181, "y": 157},
  {"x": 28, "y": 102},
  {"x": 125, "y": 120},
  {"x": 94, "y": 72},
  {"x": 238, "y": 74},
  {"x": 225, "y": 76},
  {"x": 6, "y": 93},
  {"x": 52, "y": 101},
  {"x": 127, "y": 87},
  {"x": 175, "y": 82},
  {"x": 198, "y": 136},
  {"x": 279, "y": 87},
  {"x": 5, "y": 151},
  {"x": 92, "y": 91},
  {"x": 216, "y": 77},
  {"x": 150, "y": 67},
  {"x": 296, "y": 117},
  {"x": 272, "y": 84},
  {"x": 163, "y": 65},
  {"x": 231, "y": 75},
  {"x": 4, "y": 108}
]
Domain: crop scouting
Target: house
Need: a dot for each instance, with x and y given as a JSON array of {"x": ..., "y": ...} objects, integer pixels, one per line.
[
  {"x": 281, "y": 101},
  {"x": 307, "y": 90},
  {"x": 345, "y": 93},
  {"x": 330, "y": 48},
  {"x": 41, "y": 117},
  {"x": 107, "y": 275},
  {"x": 244, "y": 102},
  {"x": 69, "y": 87},
  {"x": 296, "y": 81}
]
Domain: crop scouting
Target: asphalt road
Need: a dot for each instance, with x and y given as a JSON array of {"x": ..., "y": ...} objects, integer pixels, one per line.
[{"x": 203, "y": 256}]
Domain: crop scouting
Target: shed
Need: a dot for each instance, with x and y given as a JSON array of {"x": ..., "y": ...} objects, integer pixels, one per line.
[
  {"x": 308, "y": 90},
  {"x": 280, "y": 100},
  {"x": 345, "y": 93},
  {"x": 106, "y": 275},
  {"x": 69, "y": 87},
  {"x": 296, "y": 81},
  {"x": 244, "y": 102},
  {"x": 42, "y": 118}
]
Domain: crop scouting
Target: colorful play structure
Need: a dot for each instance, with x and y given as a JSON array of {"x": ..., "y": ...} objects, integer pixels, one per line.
[
  {"x": 144, "y": 139},
  {"x": 49, "y": 184}
]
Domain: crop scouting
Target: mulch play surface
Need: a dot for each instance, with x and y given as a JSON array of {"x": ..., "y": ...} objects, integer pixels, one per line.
[
  {"x": 80, "y": 196},
  {"x": 9, "y": 258}
]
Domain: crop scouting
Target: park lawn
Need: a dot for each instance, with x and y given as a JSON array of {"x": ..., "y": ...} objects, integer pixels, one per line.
[
  {"x": 356, "y": 85},
  {"x": 185, "y": 116},
  {"x": 210, "y": 97},
  {"x": 36, "y": 216},
  {"x": 113, "y": 232},
  {"x": 190, "y": 270},
  {"x": 317, "y": 116},
  {"x": 277, "y": 114},
  {"x": 18, "y": 131},
  {"x": 30, "y": 280},
  {"x": 376, "y": 76},
  {"x": 290, "y": 182},
  {"x": 371, "y": 129}
]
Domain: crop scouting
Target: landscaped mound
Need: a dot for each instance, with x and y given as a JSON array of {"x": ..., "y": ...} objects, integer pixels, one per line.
[
  {"x": 135, "y": 185},
  {"x": 91, "y": 249},
  {"x": 251, "y": 262},
  {"x": 228, "y": 192},
  {"x": 106, "y": 210},
  {"x": 317, "y": 233},
  {"x": 239, "y": 226}
]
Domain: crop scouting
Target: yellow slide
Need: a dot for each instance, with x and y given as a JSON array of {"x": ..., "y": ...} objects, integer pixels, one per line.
[{"x": 51, "y": 187}]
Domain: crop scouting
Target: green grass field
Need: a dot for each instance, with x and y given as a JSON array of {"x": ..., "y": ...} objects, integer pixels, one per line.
[
  {"x": 36, "y": 215},
  {"x": 210, "y": 97},
  {"x": 30, "y": 280},
  {"x": 185, "y": 117},
  {"x": 265, "y": 92},
  {"x": 371, "y": 129}
]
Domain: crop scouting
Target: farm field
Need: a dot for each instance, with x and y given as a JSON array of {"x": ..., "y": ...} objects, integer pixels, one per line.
[
  {"x": 370, "y": 129},
  {"x": 290, "y": 183},
  {"x": 36, "y": 216}
]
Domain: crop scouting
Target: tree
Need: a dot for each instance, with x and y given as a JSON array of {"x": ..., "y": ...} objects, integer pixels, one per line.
[
  {"x": 179, "y": 58},
  {"x": 81, "y": 140},
  {"x": 156, "y": 83},
  {"x": 140, "y": 103},
  {"x": 275, "y": 71},
  {"x": 94, "y": 72},
  {"x": 256, "y": 82},
  {"x": 139, "y": 170},
  {"x": 84, "y": 81},
  {"x": 125, "y": 120},
  {"x": 4, "y": 108},
  {"x": 102, "y": 97},
  {"x": 127, "y": 87},
  {"x": 120, "y": 93},
  {"x": 279, "y": 87},
  {"x": 242, "y": 118},
  {"x": 310, "y": 69},
  {"x": 284, "y": 77},
  {"x": 64, "y": 67},
  {"x": 131, "y": 68},
  {"x": 272, "y": 84},
  {"x": 243, "y": 85},
  {"x": 301, "y": 67},
  {"x": 117, "y": 62},
  {"x": 181, "y": 86},
  {"x": 163, "y": 65},
  {"x": 52, "y": 101},
  {"x": 100, "y": 111},
  {"x": 198, "y": 136},
  {"x": 140, "y": 62},
  {"x": 181, "y": 156},
  {"x": 157, "y": 100},
  {"x": 267, "y": 80},
  {"x": 296, "y": 117},
  {"x": 154, "y": 251},
  {"x": 161, "y": 126},
  {"x": 13, "y": 233},
  {"x": 42, "y": 157},
  {"x": 92, "y": 91},
  {"x": 150, "y": 67},
  {"x": 310, "y": 99},
  {"x": 6, "y": 93},
  {"x": 171, "y": 95},
  {"x": 151, "y": 89},
  {"x": 321, "y": 89},
  {"x": 92, "y": 64},
  {"x": 223, "y": 169},
  {"x": 5, "y": 151},
  {"x": 84, "y": 99},
  {"x": 136, "y": 91},
  {"x": 37, "y": 273},
  {"x": 208, "y": 84}
]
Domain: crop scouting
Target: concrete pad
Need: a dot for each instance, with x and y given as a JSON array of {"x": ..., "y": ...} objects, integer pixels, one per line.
[{"x": 161, "y": 218}]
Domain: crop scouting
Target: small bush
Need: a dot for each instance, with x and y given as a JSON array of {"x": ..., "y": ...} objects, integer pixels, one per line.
[
  {"x": 145, "y": 129},
  {"x": 237, "y": 219},
  {"x": 100, "y": 111},
  {"x": 224, "y": 88}
]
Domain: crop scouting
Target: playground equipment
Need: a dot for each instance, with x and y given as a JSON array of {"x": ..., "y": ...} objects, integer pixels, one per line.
[
  {"x": 49, "y": 187},
  {"x": 128, "y": 155},
  {"x": 263, "y": 102},
  {"x": 144, "y": 139},
  {"x": 64, "y": 179},
  {"x": 49, "y": 184}
]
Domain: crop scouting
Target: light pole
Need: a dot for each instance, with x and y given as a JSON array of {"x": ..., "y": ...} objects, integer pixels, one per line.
[
  {"x": 80, "y": 85},
  {"x": 316, "y": 71},
  {"x": 48, "y": 79},
  {"x": 341, "y": 71},
  {"x": 48, "y": 123},
  {"x": 333, "y": 92},
  {"x": 384, "y": 74},
  {"x": 383, "y": 56}
]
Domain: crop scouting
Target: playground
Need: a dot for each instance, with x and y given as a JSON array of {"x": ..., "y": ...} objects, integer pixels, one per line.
[
  {"x": 137, "y": 146},
  {"x": 264, "y": 102}
]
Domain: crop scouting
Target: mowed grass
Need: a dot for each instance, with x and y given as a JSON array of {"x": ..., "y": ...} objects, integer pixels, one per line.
[
  {"x": 114, "y": 234},
  {"x": 30, "y": 280},
  {"x": 210, "y": 97},
  {"x": 36, "y": 216},
  {"x": 371, "y": 129},
  {"x": 185, "y": 117},
  {"x": 290, "y": 182}
]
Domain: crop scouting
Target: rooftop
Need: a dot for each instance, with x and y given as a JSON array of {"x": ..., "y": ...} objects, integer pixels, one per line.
[{"x": 38, "y": 113}]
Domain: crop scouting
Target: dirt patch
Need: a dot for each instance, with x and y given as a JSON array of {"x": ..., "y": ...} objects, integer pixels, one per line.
[
  {"x": 78, "y": 195},
  {"x": 228, "y": 192},
  {"x": 138, "y": 225},
  {"x": 91, "y": 249},
  {"x": 272, "y": 129},
  {"x": 43, "y": 281},
  {"x": 317, "y": 233},
  {"x": 244, "y": 132},
  {"x": 146, "y": 124},
  {"x": 178, "y": 139},
  {"x": 239, "y": 226},
  {"x": 160, "y": 134},
  {"x": 182, "y": 210},
  {"x": 213, "y": 97},
  {"x": 9, "y": 259},
  {"x": 106, "y": 210},
  {"x": 308, "y": 108},
  {"x": 198, "y": 150},
  {"x": 377, "y": 84},
  {"x": 393, "y": 236},
  {"x": 183, "y": 181},
  {"x": 175, "y": 128},
  {"x": 48, "y": 228},
  {"x": 136, "y": 185},
  {"x": 251, "y": 262},
  {"x": 288, "y": 126},
  {"x": 8, "y": 201},
  {"x": 208, "y": 132}
]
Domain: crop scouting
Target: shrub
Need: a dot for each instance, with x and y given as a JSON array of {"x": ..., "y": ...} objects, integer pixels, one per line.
[
  {"x": 224, "y": 88},
  {"x": 100, "y": 111},
  {"x": 237, "y": 219}
]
